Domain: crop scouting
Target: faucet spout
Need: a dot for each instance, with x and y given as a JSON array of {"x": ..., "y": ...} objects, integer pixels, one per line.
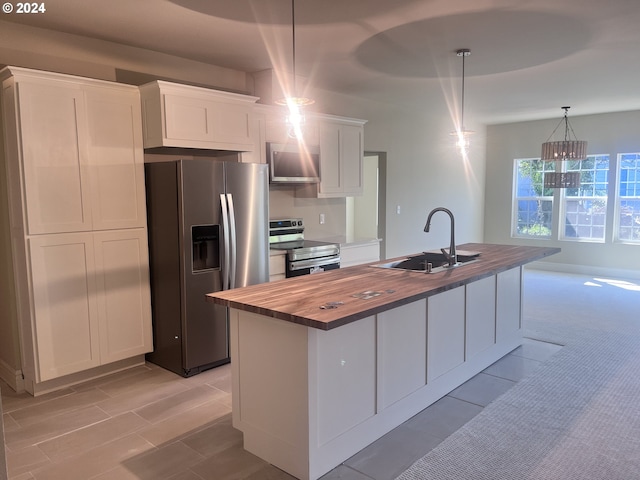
[{"x": 451, "y": 256}]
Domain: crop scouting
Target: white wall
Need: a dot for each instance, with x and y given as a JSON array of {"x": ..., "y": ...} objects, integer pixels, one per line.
[
  {"x": 611, "y": 133},
  {"x": 424, "y": 171}
]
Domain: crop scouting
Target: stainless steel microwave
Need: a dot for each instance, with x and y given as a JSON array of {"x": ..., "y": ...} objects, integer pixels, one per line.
[{"x": 293, "y": 163}]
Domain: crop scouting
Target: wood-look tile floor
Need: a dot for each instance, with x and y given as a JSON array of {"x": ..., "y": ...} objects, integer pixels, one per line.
[{"x": 148, "y": 423}]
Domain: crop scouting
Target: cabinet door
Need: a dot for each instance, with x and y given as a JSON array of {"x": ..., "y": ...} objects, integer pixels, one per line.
[
  {"x": 445, "y": 332},
  {"x": 200, "y": 123},
  {"x": 51, "y": 126},
  {"x": 351, "y": 152},
  {"x": 508, "y": 307},
  {"x": 330, "y": 174},
  {"x": 341, "y": 152},
  {"x": 65, "y": 320},
  {"x": 481, "y": 316},
  {"x": 115, "y": 158},
  {"x": 124, "y": 304}
]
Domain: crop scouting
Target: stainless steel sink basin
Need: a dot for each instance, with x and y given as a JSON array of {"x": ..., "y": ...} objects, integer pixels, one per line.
[{"x": 428, "y": 262}]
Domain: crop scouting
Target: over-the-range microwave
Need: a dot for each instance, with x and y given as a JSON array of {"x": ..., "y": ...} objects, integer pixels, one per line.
[{"x": 293, "y": 163}]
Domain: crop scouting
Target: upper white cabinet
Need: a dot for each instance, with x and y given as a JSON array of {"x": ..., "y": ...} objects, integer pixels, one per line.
[
  {"x": 115, "y": 157},
  {"x": 341, "y": 158},
  {"x": 177, "y": 115},
  {"x": 341, "y": 153},
  {"x": 81, "y": 154}
]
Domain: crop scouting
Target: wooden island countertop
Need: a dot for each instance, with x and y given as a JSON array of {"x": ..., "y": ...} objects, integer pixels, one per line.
[{"x": 331, "y": 299}]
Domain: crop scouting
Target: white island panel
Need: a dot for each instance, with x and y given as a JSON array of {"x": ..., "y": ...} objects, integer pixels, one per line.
[
  {"x": 346, "y": 377},
  {"x": 445, "y": 332},
  {"x": 402, "y": 353},
  {"x": 481, "y": 316}
]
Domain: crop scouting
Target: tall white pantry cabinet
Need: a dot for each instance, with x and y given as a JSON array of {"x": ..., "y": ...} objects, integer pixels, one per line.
[{"x": 74, "y": 176}]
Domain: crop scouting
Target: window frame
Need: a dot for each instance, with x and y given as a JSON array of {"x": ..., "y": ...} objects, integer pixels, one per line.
[
  {"x": 619, "y": 198},
  {"x": 517, "y": 199},
  {"x": 563, "y": 199}
]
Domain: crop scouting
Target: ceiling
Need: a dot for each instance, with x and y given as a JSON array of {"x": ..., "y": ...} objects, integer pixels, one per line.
[{"x": 528, "y": 57}]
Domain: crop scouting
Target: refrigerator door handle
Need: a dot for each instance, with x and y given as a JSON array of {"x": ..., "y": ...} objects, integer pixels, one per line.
[
  {"x": 225, "y": 232},
  {"x": 234, "y": 243}
]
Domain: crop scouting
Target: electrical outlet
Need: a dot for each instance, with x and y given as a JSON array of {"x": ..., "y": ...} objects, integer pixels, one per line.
[
  {"x": 397, "y": 209},
  {"x": 321, "y": 219}
]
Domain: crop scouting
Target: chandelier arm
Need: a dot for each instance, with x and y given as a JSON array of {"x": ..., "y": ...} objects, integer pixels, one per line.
[{"x": 554, "y": 130}]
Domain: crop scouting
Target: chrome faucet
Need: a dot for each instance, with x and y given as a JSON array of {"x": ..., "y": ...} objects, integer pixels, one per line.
[{"x": 451, "y": 257}]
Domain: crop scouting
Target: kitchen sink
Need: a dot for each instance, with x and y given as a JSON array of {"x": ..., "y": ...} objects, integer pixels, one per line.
[{"x": 437, "y": 261}]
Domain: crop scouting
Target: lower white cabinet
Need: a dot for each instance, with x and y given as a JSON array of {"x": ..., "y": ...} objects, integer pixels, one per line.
[
  {"x": 359, "y": 253},
  {"x": 277, "y": 267},
  {"x": 91, "y": 301}
]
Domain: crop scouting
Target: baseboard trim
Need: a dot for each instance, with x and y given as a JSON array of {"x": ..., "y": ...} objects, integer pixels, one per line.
[
  {"x": 584, "y": 270},
  {"x": 41, "y": 388},
  {"x": 12, "y": 377}
]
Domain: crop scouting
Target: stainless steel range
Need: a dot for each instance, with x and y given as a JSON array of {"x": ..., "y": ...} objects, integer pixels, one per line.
[{"x": 303, "y": 256}]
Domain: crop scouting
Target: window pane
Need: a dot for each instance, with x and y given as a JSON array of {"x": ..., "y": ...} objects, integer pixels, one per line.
[
  {"x": 585, "y": 208},
  {"x": 533, "y": 203},
  {"x": 628, "y": 205}
]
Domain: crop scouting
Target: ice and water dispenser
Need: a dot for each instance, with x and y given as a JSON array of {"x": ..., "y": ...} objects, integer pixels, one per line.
[{"x": 206, "y": 247}]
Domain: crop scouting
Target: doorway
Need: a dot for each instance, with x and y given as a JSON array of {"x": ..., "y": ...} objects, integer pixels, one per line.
[{"x": 366, "y": 214}]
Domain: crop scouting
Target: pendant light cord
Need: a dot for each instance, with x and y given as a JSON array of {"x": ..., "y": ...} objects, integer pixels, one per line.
[
  {"x": 293, "y": 42},
  {"x": 462, "y": 99}
]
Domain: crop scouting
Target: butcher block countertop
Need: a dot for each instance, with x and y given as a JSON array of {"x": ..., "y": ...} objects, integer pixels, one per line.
[{"x": 331, "y": 299}]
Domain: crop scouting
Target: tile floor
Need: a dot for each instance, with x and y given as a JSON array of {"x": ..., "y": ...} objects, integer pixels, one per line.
[{"x": 148, "y": 423}]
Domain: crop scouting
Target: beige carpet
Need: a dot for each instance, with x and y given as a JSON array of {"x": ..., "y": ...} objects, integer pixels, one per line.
[{"x": 578, "y": 415}]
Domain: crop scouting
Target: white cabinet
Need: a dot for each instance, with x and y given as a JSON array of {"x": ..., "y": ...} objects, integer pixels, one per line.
[
  {"x": 123, "y": 296},
  {"x": 341, "y": 153},
  {"x": 65, "y": 319},
  {"x": 341, "y": 158},
  {"x": 115, "y": 158},
  {"x": 91, "y": 300},
  {"x": 177, "y": 115},
  {"x": 359, "y": 253},
  {"x": 277, "y": 267},
  {"x": 76, "y": 202},
  {"x": 54, "y": 157},
  {"x": 81, "y": 155}
]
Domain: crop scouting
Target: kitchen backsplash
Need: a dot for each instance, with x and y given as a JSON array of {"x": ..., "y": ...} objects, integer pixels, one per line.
[{"x": 284, "y": 204}]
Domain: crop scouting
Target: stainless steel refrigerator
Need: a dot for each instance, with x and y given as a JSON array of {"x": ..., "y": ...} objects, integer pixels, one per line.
[{"x": 208, "y": 231}]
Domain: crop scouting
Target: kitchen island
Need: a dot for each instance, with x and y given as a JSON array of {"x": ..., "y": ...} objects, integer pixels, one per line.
[{"x": 323, "y": 365}]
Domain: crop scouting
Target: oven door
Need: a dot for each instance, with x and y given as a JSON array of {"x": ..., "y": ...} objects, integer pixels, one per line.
[{"x": 311, "y": 266}]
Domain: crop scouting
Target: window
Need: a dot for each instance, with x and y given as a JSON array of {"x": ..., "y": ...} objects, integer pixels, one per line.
[
  {"x": 533, "y": 204},
  {"x": 628, "y": 201},
  {"x": 584, "y": 209}
]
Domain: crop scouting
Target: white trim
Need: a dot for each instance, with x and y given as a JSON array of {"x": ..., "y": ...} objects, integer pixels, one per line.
[
  {"x": 584, "y": 270},
  {"x": 11, "y": 376}
]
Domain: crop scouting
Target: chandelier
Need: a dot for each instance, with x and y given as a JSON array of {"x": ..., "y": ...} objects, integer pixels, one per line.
[{"x": 567, "y": 149}]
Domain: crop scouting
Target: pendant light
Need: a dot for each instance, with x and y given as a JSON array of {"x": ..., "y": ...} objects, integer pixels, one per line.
[
  {"x": 566, "y": 149},
  {"x": 461, "y": 133},
  {"x": 295, "y": 117}
]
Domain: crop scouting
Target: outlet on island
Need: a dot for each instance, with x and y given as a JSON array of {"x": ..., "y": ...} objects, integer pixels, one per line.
[{"x": 321, "y": 219}]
